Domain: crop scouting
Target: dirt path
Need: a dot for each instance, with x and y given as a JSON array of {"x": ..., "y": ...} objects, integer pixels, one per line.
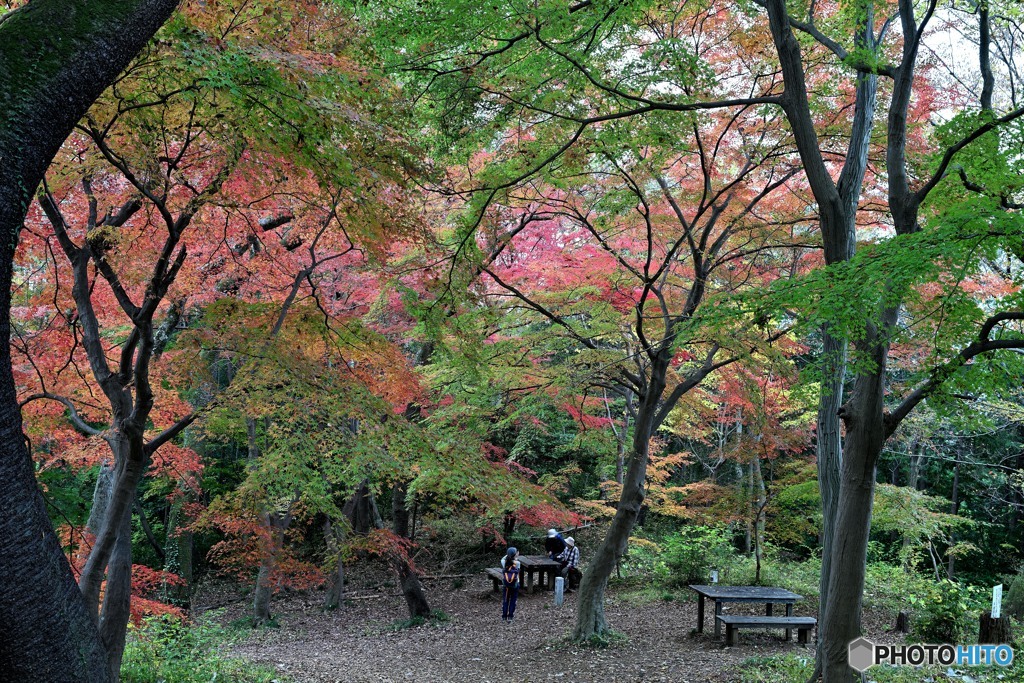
[{"x": 356, "y": 643}]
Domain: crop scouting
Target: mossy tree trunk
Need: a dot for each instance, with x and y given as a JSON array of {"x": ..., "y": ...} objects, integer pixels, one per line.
[{"x": 56, "y": 58}]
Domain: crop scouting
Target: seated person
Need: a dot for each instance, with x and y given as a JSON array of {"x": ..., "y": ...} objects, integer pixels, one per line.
[{"x": 570, "y": 559}]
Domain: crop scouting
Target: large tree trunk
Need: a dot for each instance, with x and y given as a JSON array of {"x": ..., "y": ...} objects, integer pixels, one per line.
[
  {"x": 56, "y": 57},
  {"x": 829, "y": 450},
  {"x": 590, "y": 617},
  {"x": 865, "y": 434}
]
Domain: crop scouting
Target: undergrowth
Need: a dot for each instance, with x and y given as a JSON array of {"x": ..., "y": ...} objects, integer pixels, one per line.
[
  {"x": 798, "y": 668},
  {"x": 163, "y": 650}
]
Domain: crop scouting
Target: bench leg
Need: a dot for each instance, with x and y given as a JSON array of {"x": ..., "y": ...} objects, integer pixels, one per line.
[
  {"x": 789, "y": 613},
  {"x": 495, "y": 582},
  {"x": 768, "y": 608},
  {"x": 718, "y": 624},
  {"x": 730, "y": 635},
  {"x": 802, "y": 635},
  {"x": 700, "y": 614},
  {"x": 529, "y": 582}
]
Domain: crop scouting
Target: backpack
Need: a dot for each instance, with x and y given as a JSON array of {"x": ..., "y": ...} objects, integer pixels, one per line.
[{"x": 511, "y": 574}]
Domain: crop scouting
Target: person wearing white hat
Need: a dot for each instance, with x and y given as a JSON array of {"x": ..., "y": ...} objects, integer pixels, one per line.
[
  {"x": 553, "y": 544},
  {"x": 570, "y": 559}
]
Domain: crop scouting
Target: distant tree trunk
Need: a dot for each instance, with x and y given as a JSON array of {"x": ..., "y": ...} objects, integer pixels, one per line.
[
  {"x": 178, "y": 551},
  {"x": 274, "y": 525},
  {"x": 743, "y": 481},
  {"x": 361, "y": 510},
  {"x": 955, "y": 509},
  {"x": 760, "y": 502},
  {"x": 1018, "y": 499},
  {"x": 912, "y": 482},
  {"x": 408, "y": 578},
  {"x": 335, "y": 538},
  {"x": 508, "y": 525}
]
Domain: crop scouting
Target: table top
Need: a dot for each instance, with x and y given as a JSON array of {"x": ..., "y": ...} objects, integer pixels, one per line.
[
  {"x": 746, "y": 593},
  {"x": 538, "y": 562}
]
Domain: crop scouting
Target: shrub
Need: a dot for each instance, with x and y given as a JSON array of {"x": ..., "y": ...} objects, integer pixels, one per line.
[
  {"x": 689, "y": 556},
  {"x": 165, "y": 650},
  {"x": 943, "y": 611},
  {"x": 1013, "y": 600}
]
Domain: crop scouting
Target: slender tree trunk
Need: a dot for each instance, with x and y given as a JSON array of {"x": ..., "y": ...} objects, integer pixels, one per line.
[
  {"x": 955, "y": 509},
  {"x": 117, "y": 599},
  {"x": 590, "y": 616},
  {"x": 760, "y": 501},
  {"x": 275, "y": 526},
  {"x": 743, "y": 482},
  {"x": 129, "y": 467},
  {"x": 912, "y": 482},
  {"x": 1018, "y": 498}
]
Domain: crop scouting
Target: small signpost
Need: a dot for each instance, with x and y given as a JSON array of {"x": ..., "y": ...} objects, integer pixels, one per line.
[
  {"x": 714, "y": 576},
  {"x": 997, "y": 601},
  {"x": 559, "y": 591}
]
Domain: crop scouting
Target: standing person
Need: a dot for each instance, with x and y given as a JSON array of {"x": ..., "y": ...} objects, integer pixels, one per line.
[
  {"x": 570, "y": 559},
  {"x": 510, "y": 583},
  {"x": 553, "y": 544}
]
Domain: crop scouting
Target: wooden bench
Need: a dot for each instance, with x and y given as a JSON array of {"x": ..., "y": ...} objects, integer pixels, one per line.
[
  {"x": 494, "y": 573},
  {"x": 734, "y": 622}
]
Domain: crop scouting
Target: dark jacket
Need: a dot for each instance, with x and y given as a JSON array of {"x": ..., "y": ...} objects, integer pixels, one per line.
[{"x": 554, "y": 545}]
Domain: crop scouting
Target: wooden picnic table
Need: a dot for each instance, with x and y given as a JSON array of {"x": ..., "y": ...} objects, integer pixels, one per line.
[
  {"x": 542, "y": 565},
  {"x": 723, "y": 594}
]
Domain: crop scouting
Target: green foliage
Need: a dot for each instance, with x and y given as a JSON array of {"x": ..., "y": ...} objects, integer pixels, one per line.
[
  {"x": 916, "y": 517},
  {"x": 943, "y": 611},
  {"x": 436, "y": 617},
  {"x": 795, "y": 668},
  {"x": 167, "y": 651},
  {"x": 690, "y": 555},
  {"x": 1013, "y": 598},
  {"x": 799, "y": 577}
]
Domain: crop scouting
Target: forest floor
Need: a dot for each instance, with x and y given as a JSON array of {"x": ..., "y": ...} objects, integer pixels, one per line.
[{"x": 364, "y": 641}]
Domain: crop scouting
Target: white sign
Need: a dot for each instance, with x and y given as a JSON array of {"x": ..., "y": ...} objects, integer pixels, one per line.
[
  {"x": 997, "y": 601},
  {"x": 714, "y": 576}
]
